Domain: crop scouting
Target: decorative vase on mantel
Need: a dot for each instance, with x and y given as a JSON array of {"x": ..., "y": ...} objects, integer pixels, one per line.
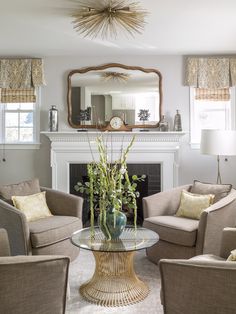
[{"x": 114, "y": 224}]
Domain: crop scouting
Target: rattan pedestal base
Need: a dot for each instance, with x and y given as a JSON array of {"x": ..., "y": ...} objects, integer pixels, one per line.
[{"x": 114, "y": 282}]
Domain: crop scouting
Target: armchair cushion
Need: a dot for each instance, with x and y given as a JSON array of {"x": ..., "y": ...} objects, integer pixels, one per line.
[
  {"x": 178, "y": 230},
  {"x": 33, "y": 206},
  {"x": 219, "y": 190},
  {"x": 20, "y": 189},
  {"x": 52, "y": 229}
]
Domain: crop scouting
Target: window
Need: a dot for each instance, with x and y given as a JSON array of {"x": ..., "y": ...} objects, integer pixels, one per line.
[
  {"x": 20, "y": 122},
  {"x": 210, "y": 114}
]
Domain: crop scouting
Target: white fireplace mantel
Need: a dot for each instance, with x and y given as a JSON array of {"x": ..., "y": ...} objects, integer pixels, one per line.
[{"x": 71, "y": 147}]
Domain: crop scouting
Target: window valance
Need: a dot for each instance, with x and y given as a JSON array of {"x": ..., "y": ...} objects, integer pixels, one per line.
[
  {"x": 21, "y": 73},
  {"x": 210, "y": 72}
]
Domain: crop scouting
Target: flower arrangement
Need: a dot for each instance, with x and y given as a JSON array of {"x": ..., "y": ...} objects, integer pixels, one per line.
[
  {"x": 144, "y": 115},
  {"x": 109, "y": 184}
]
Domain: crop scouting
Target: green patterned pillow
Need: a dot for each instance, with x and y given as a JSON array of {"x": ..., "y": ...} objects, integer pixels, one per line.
[{"x": 192, "y": 205}]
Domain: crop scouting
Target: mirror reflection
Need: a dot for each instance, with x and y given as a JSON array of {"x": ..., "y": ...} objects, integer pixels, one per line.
[{"x": 96, "y": 96}]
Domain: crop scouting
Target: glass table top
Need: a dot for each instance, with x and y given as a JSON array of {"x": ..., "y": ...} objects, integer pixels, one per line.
[{"x": 131, "y": 239}]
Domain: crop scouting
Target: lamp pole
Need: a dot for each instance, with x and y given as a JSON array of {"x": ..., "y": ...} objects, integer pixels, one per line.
[{"x": 218, "y": 181}]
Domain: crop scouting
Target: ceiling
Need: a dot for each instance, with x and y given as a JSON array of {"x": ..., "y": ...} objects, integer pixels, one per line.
[{"x": 43, "y": 28}]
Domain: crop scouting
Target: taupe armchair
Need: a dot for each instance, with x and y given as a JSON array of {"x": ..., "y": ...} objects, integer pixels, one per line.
[
  {"x": 47, "y": 236},
  {"x": 31, "y": 284},
  {"x": 204, "y": 284},
  {"x": 183, "y": 237}
]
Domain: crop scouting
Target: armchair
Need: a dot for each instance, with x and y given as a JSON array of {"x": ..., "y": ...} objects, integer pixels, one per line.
[
  {"x": 31, "y": 284},
  {"x": 47, "y": 236},
  {"x": 204, "y": 284},
  {"x": 183, "y": 237}
]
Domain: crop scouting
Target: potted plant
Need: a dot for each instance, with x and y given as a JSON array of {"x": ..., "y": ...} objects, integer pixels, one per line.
[{"x": 110, "y": 188}]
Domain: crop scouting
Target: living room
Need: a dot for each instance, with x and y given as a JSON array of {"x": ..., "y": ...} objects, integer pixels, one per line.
[{"x": 173, "y": 37}]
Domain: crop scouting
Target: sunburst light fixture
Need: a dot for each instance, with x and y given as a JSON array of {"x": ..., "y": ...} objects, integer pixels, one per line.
[
  {"x": 106, "y": 17},
  {"x": 115, "y": 76}
]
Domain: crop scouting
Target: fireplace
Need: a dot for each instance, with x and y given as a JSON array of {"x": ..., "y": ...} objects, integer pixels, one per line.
[
  {"x": 150, "y": 149},
  {"x": 151, "y": 185}
]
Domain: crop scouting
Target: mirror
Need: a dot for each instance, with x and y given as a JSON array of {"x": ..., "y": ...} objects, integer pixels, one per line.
[{"x": 96, "y": 94}]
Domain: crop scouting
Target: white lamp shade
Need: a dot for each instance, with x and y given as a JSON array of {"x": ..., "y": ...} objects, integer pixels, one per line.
[{"x": 218, "y": 142}]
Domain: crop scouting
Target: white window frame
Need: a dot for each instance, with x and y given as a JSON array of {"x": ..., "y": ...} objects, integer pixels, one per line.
[
  {"x": 195, "y": 145},
  {"x": 35, "y": 144}
]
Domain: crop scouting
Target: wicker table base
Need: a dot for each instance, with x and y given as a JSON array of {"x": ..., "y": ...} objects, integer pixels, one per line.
[{"x": 114, "y": 282}]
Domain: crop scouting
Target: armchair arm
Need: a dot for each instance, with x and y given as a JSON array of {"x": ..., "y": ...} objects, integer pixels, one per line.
[
  {"x": 183, "y": 282},
  {"x": 163, "y": 203},
  {"x": 212, "y": 222},
  {"x": 4, "y": 243},
  {"x": 41, "y": 280},
  {"x": 14, "y": 221},
  {"x": 228, "y": 242},
  {"x": 64, "y": 204}
]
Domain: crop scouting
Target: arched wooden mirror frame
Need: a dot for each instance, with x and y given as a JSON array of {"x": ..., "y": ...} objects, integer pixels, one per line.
[{"x": 104, "y": 67}]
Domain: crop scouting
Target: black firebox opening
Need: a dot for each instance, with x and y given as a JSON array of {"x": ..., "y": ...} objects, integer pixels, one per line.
[{"x": 151, "y": 185}]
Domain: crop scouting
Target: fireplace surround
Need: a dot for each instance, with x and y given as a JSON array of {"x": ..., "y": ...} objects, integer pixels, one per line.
[{"x": 72, "y": 147}]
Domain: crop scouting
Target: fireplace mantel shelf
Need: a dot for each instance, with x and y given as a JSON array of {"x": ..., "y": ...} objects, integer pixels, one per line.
[
  {"x": 151, "y": 136},
  {"x": 149, "y": 148}
]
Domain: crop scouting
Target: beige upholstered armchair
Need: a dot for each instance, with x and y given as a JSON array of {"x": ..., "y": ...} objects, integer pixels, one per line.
[
  {"x": 204, "y": 284},
  {"x": 183, "y": 237},
  {"x": 31, "y": 284},
  {"x": 47, "y": 236}
]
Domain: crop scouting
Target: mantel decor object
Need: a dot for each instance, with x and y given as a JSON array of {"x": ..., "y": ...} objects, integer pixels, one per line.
[
  {"x": 177, "y": 122},
  {"x": 53, "y": 119},
  {"x": 163, "y": 124},
  {"x": 144, "y": 115},
  {"x": 109, "y": 187}
]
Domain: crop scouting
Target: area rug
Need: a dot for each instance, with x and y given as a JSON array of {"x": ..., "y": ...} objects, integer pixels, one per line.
[{"x": 82, "y": 269}]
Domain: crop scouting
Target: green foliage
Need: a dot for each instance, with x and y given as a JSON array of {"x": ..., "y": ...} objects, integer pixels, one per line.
[{"x": 109, "y": 183}]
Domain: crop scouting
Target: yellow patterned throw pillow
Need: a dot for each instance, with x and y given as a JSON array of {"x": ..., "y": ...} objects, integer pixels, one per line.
[
  {"x": 33, "y": 206},
  {"x": 232, "y": 257},
  {"x": 192, "y": 205}
]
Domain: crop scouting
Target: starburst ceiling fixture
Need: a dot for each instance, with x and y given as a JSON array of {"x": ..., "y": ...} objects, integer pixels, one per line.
[
  {"x": 106, "y": 17},
  {"x": 115, "y": 76}
]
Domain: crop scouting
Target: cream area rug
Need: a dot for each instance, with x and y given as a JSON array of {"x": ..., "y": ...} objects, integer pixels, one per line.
[{"x": 82, "y": 269}]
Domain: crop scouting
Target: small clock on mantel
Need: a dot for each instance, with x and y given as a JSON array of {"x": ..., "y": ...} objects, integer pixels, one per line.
[{"x": 116, "y": 124}]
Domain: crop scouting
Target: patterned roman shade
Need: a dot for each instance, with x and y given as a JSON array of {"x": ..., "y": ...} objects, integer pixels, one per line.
[
  {"x": 220, "y": 94},
  {"x": 18, "y": 95},
  {"x": 212, "y": 73}
]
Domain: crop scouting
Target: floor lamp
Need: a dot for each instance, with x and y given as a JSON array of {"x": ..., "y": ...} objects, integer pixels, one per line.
[{"x": 218, "y": 143}]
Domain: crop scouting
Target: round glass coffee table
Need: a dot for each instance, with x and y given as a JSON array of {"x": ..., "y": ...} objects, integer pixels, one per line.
[{"x": 114, "y": 282}]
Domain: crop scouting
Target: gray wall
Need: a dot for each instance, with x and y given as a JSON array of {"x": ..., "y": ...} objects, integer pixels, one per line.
[{"x": 23, "y": 164}]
